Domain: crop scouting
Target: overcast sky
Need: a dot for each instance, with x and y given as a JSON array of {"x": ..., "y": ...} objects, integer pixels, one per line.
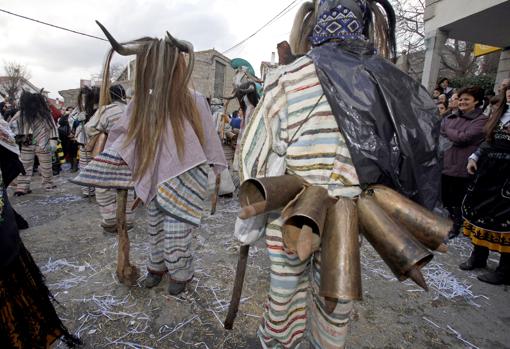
[{"x": 57, "y": 59}]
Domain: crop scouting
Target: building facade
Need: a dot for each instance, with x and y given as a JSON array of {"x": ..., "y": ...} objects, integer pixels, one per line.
[{"x": 477, "y": 21}]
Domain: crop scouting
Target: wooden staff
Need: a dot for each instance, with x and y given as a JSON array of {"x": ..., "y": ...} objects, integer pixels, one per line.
[
  {"x": 127, "y": 273},
  {"x": 214, "y": 200},
  {"x": 238, "y": 287}
]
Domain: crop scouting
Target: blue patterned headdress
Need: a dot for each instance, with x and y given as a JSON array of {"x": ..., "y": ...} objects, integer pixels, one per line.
[{"x": 340, "y": 19}]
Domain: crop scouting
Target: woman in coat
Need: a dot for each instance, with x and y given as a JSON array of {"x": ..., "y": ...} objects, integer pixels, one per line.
[{"x": 464, "y": 133}]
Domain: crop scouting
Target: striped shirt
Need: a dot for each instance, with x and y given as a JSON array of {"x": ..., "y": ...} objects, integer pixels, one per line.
[
  {"x": 294, "y": 125},
  {"x": 104, "y": 119},
  {"x": 41, "y": 131}
]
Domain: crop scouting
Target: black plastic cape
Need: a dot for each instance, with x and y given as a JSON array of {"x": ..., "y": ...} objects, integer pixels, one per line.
[{"x": 388, "y": 120}]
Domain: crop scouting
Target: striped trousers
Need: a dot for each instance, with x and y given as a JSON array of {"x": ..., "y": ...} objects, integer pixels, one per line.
[
  {"x": 107, "y": 201},
  {"x": 294, "y": 312},
  {"x": 170, "y": 245},
  {"x": 27, "y": 157},
  {"x": 85, "y": 158}
]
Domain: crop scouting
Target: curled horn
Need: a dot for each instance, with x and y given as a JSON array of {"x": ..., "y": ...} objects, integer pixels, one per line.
[
  {"x": 182, "y": 45},
  {"x": 119, "y": 48}
]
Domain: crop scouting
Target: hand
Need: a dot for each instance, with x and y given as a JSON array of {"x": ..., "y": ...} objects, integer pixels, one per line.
[
  {"x": 52, "y": 146},
  {"x": 471, "y": 167}
]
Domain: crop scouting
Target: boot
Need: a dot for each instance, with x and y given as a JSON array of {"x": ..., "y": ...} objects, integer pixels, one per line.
[
  {"x": 501, "y": 276},
  {"x": 74, "y": 165},
  {"x": 152, "y": 280},
  {"x": 176, "y": 287},
  {"x": 478, "y": 259},
  {"x": 456, "y": 216}
]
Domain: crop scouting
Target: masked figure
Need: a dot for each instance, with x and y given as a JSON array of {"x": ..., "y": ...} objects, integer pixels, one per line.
[
  {"x": 248, "y": 98},
  {"x": 163, "y": 148},
  {"x": 88, "y": 101},
  {"x": 37, "y": 134},
  {"x": 27, "y": 316},
  {"x": 340, "y": 118},
  {"x": 112, "y": 108}
]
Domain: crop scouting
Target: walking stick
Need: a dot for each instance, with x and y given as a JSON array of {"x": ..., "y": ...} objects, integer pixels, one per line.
[
  {"x": 89, "y": 188},
  {"x": 127, "y": 273},
  {"x": 214, "y": 200},
  {"x": 238, "y": 287}
]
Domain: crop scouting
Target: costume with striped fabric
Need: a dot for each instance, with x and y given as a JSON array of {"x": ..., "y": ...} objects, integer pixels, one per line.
[
  {"x": 183, "y": 197},
  {"x": 170, "y": 242},
  {"x": 107, "y": 170},
  {"x": 106, "y": 173},
  {"x": 294, "y": 121},
  {"x": 175, "y": 199},
  {"x": 172, "y": 214},
  {"x": 102, "y": 122},
  {"x": 84, "y": 159},
  {"x": 176, "y": 210},
  {"x": 38, "y": 142},
  {"x": 76, "y": 122}
]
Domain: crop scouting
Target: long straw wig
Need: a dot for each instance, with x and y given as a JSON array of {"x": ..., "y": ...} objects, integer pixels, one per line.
[
  {"x": 34, "y": 108},
  {"x": 161, "y": 95},
  {"x": 88, "y": 99},
  {"x": 379, "y": 23}
]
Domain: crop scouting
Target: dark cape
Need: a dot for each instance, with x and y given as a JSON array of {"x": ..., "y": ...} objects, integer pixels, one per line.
[
  {"x": 10, "y": 167},
  {"x": 27, "y": 316},
  {"x": 388, "y": 120}
]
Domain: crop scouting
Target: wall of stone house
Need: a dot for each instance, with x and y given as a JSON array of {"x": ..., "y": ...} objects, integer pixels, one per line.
[
  {"x": 202, "y": 78},
  {"x": 70, "y": 97}
]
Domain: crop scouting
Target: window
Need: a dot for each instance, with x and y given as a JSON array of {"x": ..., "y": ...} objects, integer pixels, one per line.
[{"x": 219, "y": 79}]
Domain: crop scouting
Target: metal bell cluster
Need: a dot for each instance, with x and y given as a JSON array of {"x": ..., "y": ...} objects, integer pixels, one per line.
[{"x": 401, "y": 231}]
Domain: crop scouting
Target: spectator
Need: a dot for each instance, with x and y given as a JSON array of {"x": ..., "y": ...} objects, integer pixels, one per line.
[
  {"x": 445, "y": 85},
  {"x": 235, "y": 122},
  {"x": 453, "y": 103},
  {"x": 64, "y": 131},
  {"x": 492, "y": 105},
  {"x": 443, "y": 99},
  {"x": 504, "y": 83},
  {"x": 464, "y": 132},
  {"x": 55, "y": 113},
  {"x": 436, "y": 93},
  {"x": 9, "y": 111},
  {"x": 442, "y": 109},
  {"x": 486, "y": 207}
]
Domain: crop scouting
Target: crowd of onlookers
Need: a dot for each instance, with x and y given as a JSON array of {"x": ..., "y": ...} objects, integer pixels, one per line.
[{"x": 475, "y": 148}]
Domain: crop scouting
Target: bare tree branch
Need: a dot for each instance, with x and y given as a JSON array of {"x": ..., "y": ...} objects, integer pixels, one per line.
[
  {"x": 456, "y": 56},
  {"x": 15, "y": 76}
]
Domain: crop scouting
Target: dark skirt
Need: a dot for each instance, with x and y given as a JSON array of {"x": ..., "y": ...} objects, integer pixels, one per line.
[
  {"x": 28, "y": 319},
  {"x": 486, "y": 207}
]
